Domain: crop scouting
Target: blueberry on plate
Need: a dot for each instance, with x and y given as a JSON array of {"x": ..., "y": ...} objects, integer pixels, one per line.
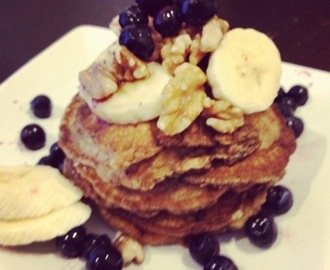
[
  {"x": 92, "y": 241},
  {"x": 299, "y": 94},
  {"x": 280, "y": 94},
  {"x": 261, "y": 230},
  {"x": 198, "y": 12},
  {"x": 41, "y": 106},
  {"x": 71, "y": 244},
  {"x": 138, "y": 40},
  {"x": 33, "y": 136},
  {"x": 219, "y": 262},
  {"x": 56, "y": 153},
  {"x": 279, "y": 200},
  {"x": 168, "y": 21},
  {"x": 296, "y": 124},
  {"x": 104, "y": 259},
  {"x": 203, "y": 246},
  {"x": 133, "y": 15}
]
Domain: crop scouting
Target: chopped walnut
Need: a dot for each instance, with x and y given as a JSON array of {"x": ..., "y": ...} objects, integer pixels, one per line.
[
  {"x": 113, "y": 66},
  {"x": 222, "y": 116},
  {"x": 130, "y": 249},
  {"x": 212, "y": 34},
  {"x": 196, "y": 54},
  {"x": 124, "y": 65},
  {"x": 183, "y": 99},
  {"x": 175, "y": 51}
]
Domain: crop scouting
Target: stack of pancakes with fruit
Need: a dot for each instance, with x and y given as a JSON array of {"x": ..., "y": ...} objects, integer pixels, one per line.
[{"x": 173, "y": 131}]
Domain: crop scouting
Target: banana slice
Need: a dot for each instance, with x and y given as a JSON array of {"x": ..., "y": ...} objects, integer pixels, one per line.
[
  {"x": 245, "y": 70},
  {"x": 43, "y": 228},
  {"x": 136, "y": 101},
  {"x": 31, "y": 191}
]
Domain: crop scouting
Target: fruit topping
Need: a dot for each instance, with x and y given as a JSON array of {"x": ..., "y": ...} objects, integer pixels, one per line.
[
  {"x": 33, "y": 137},
  {"x": 261, "y": 230},
  {"x": 198, "y": 12},
  {"x": 71, "y": 244},
  {"x": 133, "y": 15},
  {"x": 151, "y": 7},
  {"x": 203, "y": 246},
  {"x": 220, "y": 263},
  {"x": 168, "y": 21},
  {"x": 41, "y": 106},
  {"x": 92, "y": 241},
  {"x": 279, "y": 200},
  {"x": 55, "y": 158},
  {"x": 296, "y": 124},
  {"x": 138, "y": 40},
  {"x": 299, "y": 94},
  {"x": 245, "y": 70},
  {"x": 287, "y": 103},
  {"x": 101, "y": 259}
]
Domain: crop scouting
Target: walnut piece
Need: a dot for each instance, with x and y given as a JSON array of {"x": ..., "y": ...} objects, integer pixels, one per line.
[
  {"x": 130, "y": 249},
  {"x": 113, "y": 66},
  {"x": 212, "y": 34},
  {"x": 175, "y": 51},
  {"x": 125, "y": 66},
  {"x": 183, "y": 99},
  {"x": 222, "y": 116}
]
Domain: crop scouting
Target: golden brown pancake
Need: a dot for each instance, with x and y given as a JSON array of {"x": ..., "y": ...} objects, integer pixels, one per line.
[
  {"x": 158, "y": 188},
  {"x": 230, "y": 211},
  {"x": 172, "y": 195}
]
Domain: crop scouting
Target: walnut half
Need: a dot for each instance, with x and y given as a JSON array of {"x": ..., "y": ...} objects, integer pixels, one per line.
[
  {"x": 222, "y": 116},
  {"x": 183, "y": 99}
]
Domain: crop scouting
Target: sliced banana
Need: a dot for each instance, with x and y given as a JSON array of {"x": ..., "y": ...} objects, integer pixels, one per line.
[
  {"x": 43, "y": 228},
  {"x": 31, "y": 191},
  {"x": 136, "y": 101},
  {"x": 245, "y": 70}
]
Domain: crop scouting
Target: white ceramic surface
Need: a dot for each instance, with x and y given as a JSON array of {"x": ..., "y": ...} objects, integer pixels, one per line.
[{"x": 304, "y": 238}]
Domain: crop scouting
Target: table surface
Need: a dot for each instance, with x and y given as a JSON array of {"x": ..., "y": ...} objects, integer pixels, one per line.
[{"x": 300, "y": 29}]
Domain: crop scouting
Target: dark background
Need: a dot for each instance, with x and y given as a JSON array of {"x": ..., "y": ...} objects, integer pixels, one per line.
[{"x": 301, "y": 29}]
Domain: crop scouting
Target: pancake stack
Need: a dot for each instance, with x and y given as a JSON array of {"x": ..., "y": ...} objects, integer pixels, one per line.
[{"x": 159, "y": 189}]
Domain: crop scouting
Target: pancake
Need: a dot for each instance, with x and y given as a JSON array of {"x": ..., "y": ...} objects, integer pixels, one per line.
[
  {"x": 173, "y": 195},
  {"x": 230, "y": 211},
  {"x": 137, "y": 166},
  {"x": 160, "y": 189}
]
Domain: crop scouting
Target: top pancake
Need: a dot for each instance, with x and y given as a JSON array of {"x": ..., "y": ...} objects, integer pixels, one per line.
[{"x": 139, "y": 156}]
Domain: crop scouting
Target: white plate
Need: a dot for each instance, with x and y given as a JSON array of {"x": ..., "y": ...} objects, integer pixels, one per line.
[{"x": 304, "y": 238}]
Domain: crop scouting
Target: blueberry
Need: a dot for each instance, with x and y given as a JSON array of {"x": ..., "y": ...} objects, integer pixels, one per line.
[
  {"x": 133, "y": 15},
  {"x": 261, "y": 230},
  {"x": 138, "y": 40},
  {"x": 219, "y": 263},
  {"x": 151, "y": 7},
  {"x": 101, "y": 259},
  {"x": 41, "y": 106},
  {"x": 33, "y": 137},
  {"x": 279, "y": 200},
  {"x": 198, "y": 12},
  {"x": 288, "y": 102},
  {"x": 296, "y": 124},
  {"x": 44, "y": 161},
  {"x": 57, "y": 155},
  {"x": 71, "y": 244},
  {"x": 280, "y": 94},
  {"x": 299, "y": 94},
  {"x": 92, "y": 241},
  {"x": 203, "y": 246},
  {"x": 168, "y": 21}
]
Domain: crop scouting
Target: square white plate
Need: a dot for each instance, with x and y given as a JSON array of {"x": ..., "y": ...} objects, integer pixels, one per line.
[{"x": 304, "y": 239}]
